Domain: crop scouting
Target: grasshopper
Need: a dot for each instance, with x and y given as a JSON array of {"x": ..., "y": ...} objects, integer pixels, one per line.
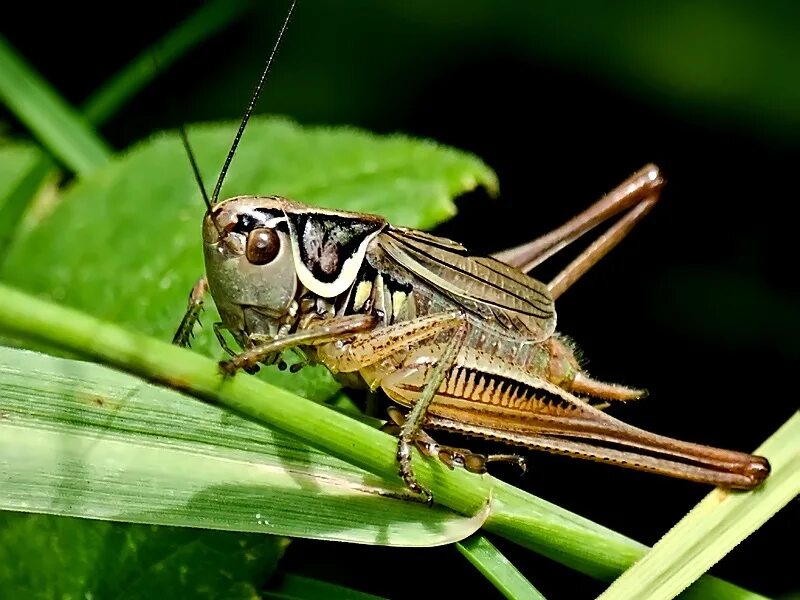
[{"x": 458, "y": 342}]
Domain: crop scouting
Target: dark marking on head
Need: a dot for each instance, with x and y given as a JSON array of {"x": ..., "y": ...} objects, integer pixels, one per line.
[
  {"x": 255, "y": 219},
  {"x": 327, "y": 241}
]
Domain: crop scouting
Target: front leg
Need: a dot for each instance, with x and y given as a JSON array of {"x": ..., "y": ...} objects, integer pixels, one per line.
[
  {"x": 333, "y": 330},
  {"x": 184, "y": 333},
  {"x": 218, "y": 328}
]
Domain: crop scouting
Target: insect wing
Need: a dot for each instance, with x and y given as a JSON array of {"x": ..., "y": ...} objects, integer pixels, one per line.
[{"x": 490, "y": 290}]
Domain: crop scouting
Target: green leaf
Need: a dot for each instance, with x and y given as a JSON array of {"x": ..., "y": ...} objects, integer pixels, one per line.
[
  {"x": 46, "y": 557},
  {"x": 514, "y": 514},
  {"x": 485, "y": 556},
  {"x": 715, "y": 526},
  {"x": 55, "y": 123},
  {"x": 137, "y": 222},
  {"x": 79, "y": 439},
  {"x": 297, "y": 587}
]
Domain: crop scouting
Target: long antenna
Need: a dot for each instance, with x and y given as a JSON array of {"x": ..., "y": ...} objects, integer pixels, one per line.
[
  {"x": 195, "y": 169},
  {"x": 185, "y": 140},
  {"x": 250, "y": 108}
]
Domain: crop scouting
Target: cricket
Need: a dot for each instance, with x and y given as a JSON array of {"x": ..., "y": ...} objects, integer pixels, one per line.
[{"x": 457, "y": 342}]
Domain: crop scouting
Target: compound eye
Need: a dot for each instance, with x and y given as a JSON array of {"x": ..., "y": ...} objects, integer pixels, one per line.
[{"x": 262, "y": 247}]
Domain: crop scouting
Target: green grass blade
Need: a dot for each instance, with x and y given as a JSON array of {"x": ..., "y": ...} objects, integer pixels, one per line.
[
  {"x": 58, "y": 126},
  {"x": 79, "y": 439},
  {"x": 23, "y": 169},
  {"x": 207, "y": 21},
  {"x": 16, "y": 158},
  {"x": 17, "y": 201},
  {"x": 715, "y": 526},
  {"x": 478, "y": 550},
  {"x": 535, "y": 523},
  {"x": 297, "y": 587}
]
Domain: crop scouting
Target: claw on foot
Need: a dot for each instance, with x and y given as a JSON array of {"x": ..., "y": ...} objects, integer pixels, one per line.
[
  {"x": 407, "y": 474},
  {"x": 227, "y": 367},
  {"x": 454, "y": 457},
  {"x": 425, "y": 495},
  {"x": 230, "y": 367},
  {"x": 390, "y": 428},
  {"x": 475, "y": 463},
  {"x": 516, "y": 459}
]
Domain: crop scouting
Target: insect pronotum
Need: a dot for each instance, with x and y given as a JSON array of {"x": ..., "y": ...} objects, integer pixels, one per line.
[{"x": 458, "y": 342}]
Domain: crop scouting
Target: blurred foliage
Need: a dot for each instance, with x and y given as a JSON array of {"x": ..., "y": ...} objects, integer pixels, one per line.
[
  {"x": 733, "y": 62},
  {"x": 209, "y": 564}
]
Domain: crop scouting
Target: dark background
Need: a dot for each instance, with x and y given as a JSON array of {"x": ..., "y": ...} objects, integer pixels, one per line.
[{"x": 563, "y": 100}]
